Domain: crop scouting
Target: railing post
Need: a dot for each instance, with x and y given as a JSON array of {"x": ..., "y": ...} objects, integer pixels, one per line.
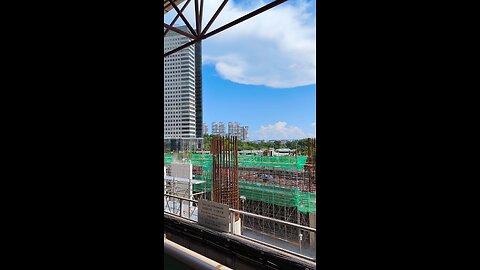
[
  {"x": 173, "y": 205},
  {"x": 181, "y": 202},
  {"x": 300, "y": 236},
  {"x": 232, "y": 213},
  {"x": 232, "y": 222}
]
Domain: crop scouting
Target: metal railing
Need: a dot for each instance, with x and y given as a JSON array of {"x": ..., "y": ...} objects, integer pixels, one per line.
[
  {"x": 277, "y": 241},
  {"x": 173, "y": 209}
]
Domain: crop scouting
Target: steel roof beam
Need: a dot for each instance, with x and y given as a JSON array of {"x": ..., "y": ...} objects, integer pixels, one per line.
[
  {"x": 183, "y": 18},
  {"x": 199, "y": 35},
  {"x": 176, "y": 17},
  {"x": 174, "y": 29}
]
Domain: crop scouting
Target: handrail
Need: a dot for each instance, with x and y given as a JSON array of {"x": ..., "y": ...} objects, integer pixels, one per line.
[
  {"x": 232, "y": 232},
  {"x": 274, "y": 219},
  {"x": 252, "y": 215},
  {"x": 180, "y": 198}
]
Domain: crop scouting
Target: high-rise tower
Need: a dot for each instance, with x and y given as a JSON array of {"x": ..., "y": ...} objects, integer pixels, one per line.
[
  {"x": 198, "y": 89},
  {"x": 182, "y": 93}
]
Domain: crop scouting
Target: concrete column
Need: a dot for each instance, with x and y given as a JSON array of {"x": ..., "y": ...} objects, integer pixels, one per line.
[{"x": 237, "y": 227}]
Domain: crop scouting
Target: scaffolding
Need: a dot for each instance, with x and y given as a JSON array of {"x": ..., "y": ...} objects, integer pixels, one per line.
[
  {"x": 260, "y": 182},
  {"x": 277, "y": 230},
  {"x": 286, "y": 172},
  {"x": 282, "y": 162},
  {"x": 276, "y": 187}
]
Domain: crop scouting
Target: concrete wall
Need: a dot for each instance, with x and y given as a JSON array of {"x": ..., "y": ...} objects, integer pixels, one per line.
[{"x": 182, "y": 170}]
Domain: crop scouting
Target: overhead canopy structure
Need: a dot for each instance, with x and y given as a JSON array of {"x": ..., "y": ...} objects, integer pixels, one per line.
[
  {"x": 167, "y": 6},
  {"x": 198, "y": 33}
]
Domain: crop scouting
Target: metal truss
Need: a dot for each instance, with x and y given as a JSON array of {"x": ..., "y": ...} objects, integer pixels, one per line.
[{"x": 198, "y": 33}]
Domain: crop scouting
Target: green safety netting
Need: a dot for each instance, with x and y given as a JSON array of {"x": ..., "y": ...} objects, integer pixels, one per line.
[
  {"x": 287, "y": 162},
  {"x": 304, "y": 201},
  {"x": 167, "y": 158}
]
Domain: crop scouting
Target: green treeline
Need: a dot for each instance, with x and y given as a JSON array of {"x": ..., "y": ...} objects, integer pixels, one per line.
[{"x": 300, "y": 145}]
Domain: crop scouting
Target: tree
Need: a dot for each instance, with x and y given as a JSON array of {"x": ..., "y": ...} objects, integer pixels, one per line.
[
  {"x": 207, "y": 142},
  {"x": 277, "y": 144}
]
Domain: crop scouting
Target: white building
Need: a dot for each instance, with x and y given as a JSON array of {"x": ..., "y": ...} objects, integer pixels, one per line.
[
  {"x": 283, "y": 152},
  {"x": 221, "y": 129},
  {"x": 234, "y": 129},
  {"x": 244, "y": 133},
  {"x": 205, "y": 130},
  {"x": 218, "y": 128},
  {"x": 215, "y": 128},
  {"x": 179, "y": 88},
  {"x": 251, "y": 152}
]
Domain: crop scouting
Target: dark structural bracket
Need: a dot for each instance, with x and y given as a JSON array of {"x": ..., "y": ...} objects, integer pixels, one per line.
[{"x": 198, "y": 34}]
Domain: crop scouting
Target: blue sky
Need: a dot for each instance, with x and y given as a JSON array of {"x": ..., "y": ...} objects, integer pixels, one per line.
[
  {"x": 261, "y": 72},
  {"x": 257, "y": 106}
]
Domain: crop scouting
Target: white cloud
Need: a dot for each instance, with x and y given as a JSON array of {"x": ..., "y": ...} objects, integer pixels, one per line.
[
  {"x": 275, "y": 48},
  {"x": 281, "y": 131}
]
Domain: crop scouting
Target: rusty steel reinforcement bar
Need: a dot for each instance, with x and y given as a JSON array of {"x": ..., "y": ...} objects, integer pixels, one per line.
[
  {"x": 225, "y": 171},
  {"x": 310, "y": 165}
]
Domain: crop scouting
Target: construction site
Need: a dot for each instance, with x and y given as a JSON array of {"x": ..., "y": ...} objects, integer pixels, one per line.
[
  {"x": 281, "y": 188},
  {"x": 223, "y": 210}
]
